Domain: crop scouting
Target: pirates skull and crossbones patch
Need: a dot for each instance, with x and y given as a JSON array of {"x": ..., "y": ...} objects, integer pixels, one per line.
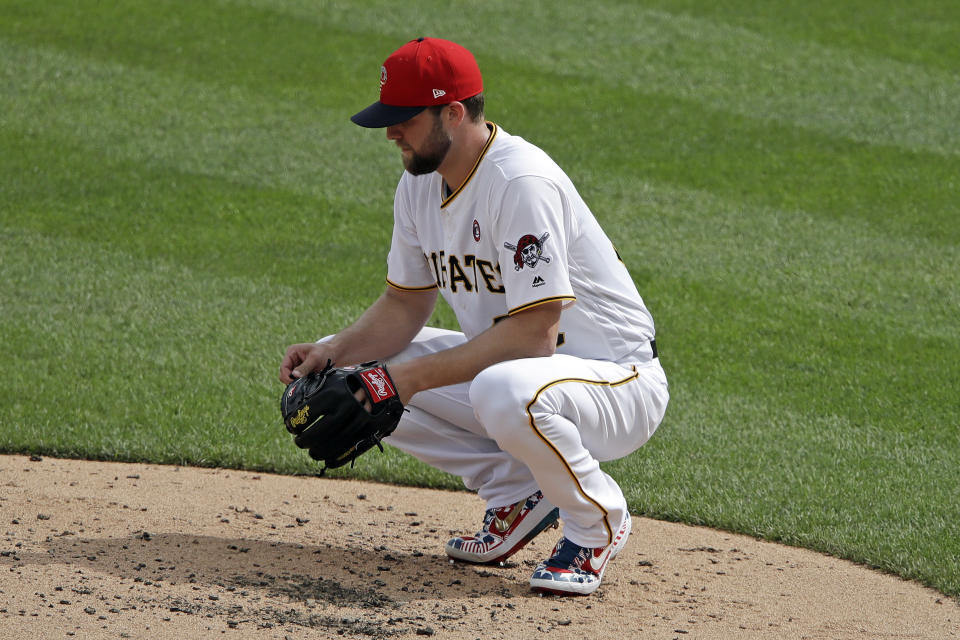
[{"x": 528, "y": 250}]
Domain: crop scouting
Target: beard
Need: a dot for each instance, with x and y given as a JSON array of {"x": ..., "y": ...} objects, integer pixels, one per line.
[{"x": 431, "y": 156}]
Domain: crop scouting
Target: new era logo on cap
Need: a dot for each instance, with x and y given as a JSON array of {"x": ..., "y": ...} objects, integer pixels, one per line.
[{"x": 422, "y": 73}]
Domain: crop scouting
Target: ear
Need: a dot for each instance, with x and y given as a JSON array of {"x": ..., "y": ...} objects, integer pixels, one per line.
[{"x": 455, "y": 113}]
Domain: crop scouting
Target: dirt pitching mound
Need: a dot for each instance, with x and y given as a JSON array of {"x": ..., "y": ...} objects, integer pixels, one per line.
[{"x": 112, "y": 550}]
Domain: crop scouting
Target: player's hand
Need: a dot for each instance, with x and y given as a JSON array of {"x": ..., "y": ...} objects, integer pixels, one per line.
[{"x": 304, "y": 358}]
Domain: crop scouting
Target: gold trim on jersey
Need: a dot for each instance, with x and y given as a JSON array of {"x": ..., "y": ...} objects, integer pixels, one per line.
[
  {"x": 566, "y": 465},
  {"x": 476, "y": 165},
  {"x": 537, "y": 303},
  {"x": 403, "y": 288}
]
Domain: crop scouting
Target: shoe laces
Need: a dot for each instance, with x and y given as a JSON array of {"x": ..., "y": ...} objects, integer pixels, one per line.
[
  {"x": 569, "y": 555},
  {"x": 488, "y": 517}
]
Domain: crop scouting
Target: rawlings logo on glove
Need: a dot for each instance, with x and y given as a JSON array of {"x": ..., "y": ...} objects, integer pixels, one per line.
[
  {"x": 344, "y": 428},
  {"x": 378, "y": 384},
  {"x": 301, "y": 417}
]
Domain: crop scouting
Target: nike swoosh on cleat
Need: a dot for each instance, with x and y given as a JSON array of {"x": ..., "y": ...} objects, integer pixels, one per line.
[{"x": 597, "y": 561}]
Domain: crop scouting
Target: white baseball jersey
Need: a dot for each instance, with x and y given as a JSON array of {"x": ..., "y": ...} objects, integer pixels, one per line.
[{"x": 517, "y": 234}]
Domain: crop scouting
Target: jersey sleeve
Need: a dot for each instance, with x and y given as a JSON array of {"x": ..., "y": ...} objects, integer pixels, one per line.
[
  {"x": 407, "y": 266},
  {"x": 534, "y": 227}
]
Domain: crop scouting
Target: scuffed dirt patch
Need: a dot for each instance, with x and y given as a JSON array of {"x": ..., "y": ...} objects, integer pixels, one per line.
[{"x": 111, "y": 550}]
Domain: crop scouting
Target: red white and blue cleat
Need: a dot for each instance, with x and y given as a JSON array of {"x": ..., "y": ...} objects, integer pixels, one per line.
[
  {"x": 505, "y": 531},
  {"x": 576, "y": 570}
]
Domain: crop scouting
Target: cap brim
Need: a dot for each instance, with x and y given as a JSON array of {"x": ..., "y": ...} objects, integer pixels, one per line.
[{"x": 380, "y": 115}]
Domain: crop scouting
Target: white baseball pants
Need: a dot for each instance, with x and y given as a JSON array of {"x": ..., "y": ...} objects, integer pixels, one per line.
[{"x": 537, "y": 423}]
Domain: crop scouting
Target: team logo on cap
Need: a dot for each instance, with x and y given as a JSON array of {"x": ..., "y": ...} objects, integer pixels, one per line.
[
  {"x": 528, "y": 250},
  {"x": 383, "y": 77}
]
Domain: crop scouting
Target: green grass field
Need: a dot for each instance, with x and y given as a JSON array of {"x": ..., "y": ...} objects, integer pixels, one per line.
[{"x": 182, "y": 195}]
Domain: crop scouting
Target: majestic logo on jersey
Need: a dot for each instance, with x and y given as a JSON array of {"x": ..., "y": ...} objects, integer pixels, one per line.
[
  {"x": 476, "y": 231},
  {"x": 528, "y": 251}
]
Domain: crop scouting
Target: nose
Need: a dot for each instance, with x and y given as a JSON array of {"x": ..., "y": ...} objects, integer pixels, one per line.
[{"x": 393, "y": 132}]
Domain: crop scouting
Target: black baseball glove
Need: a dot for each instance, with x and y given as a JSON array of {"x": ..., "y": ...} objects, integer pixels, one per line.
[{"x": 325, "y": 417}]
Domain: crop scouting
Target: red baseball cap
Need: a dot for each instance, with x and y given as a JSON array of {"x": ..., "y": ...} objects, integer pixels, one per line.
[{"x": 422, "y": 73}]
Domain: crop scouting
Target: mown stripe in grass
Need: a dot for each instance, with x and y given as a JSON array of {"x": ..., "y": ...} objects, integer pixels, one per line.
[
  {"x": 204, "y": 128},
  {"x": 106, "y": 355},
  {"x": 841, "y": 92},
  {"x": 923, "y": 32},
  {"x": 328, "y": 250}
]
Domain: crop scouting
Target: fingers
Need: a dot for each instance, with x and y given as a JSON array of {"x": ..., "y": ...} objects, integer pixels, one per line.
[
  {"x": 310, "y": 363},
  {"x": 293, "y": 362},
  {"x": 363, "y": 399},
  {"x": 302, "y": 359},
  {"x": 290, "y": 360}
]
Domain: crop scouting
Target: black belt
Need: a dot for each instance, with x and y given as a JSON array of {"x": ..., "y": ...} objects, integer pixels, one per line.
[{"x": 653, "y": 347}]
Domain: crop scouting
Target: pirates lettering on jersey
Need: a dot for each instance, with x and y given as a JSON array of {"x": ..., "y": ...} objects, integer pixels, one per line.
[
  {"x": 528, "y": 251},
  {"x": 465, "y": 274}
]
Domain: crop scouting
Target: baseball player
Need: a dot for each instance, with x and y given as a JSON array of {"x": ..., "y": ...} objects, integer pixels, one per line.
[{"x": 555, "y": 368}]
